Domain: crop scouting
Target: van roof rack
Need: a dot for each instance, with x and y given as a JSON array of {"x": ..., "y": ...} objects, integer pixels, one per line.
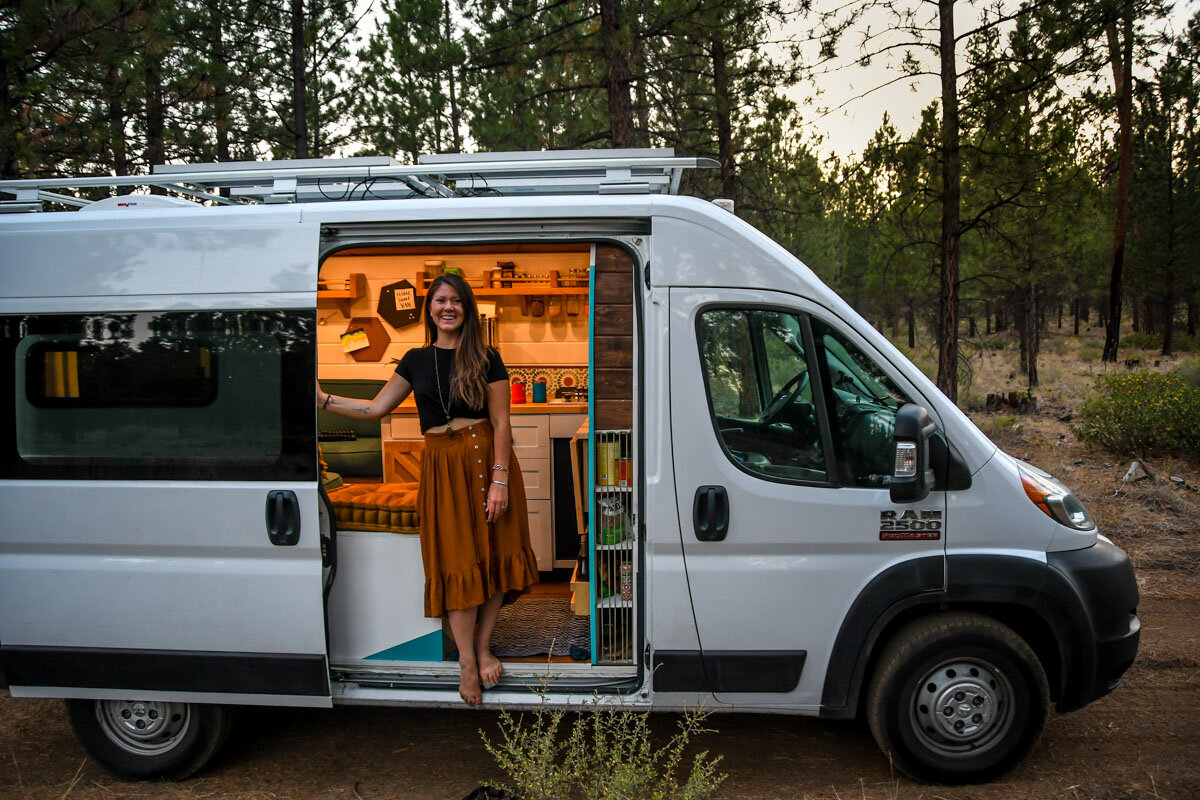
[{"x": 625, "y": 171}]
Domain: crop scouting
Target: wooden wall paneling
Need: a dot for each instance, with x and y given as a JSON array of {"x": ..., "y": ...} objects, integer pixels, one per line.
[
  {"x": 613, "y": 352},
  {"x": 614, "y": 321},
  {"x": 613, "y": 288},
  {"x": 613, "y": 384},
  {"x": 613, "y": 259},
  {"x": 614, "y": 414}
]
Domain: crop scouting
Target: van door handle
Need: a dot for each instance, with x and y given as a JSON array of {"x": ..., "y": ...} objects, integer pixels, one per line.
[
  {"x": 283, "y": 517},
  {"x": 710, "y": 513}
]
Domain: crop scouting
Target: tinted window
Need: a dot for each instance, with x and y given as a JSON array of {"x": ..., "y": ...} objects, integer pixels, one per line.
[
  {"x": 756, "y": 375},
  {"x": 172, "y": 395},
  {"x": 862, "y": 402}
]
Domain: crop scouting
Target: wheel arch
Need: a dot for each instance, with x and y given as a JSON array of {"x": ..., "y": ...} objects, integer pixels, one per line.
[{"x": 1025, "y": 594}]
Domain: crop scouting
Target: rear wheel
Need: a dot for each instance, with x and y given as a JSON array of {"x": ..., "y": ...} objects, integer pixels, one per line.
[
  {"x": 149, "y": 739},
  {"x": 957, "y": 698}
]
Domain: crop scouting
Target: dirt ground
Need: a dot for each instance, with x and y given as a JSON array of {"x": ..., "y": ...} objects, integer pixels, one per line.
[{"x": 1142, "y": 741}]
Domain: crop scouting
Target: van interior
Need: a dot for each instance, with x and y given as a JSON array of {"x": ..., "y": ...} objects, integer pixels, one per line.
[{"x": 562, "y": 318}]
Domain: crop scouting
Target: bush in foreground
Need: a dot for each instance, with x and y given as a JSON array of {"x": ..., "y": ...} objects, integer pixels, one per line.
[
  {"x": 605, "y": 754},
  {"x": 1142, "y": 413}
]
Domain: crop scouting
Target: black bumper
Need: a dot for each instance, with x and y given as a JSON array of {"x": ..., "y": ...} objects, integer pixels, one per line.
[{"x": 1103, "y": 580}]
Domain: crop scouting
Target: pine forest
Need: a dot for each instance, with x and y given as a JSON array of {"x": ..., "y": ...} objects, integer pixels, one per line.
[{"x": 1052, "y": 183}]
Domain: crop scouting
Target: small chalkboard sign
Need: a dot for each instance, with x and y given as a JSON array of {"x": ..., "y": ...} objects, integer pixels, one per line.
[{"x": 399, "y": 305}]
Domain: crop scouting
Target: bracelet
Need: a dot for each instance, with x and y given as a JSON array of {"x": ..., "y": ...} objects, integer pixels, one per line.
[
  {"x": 325, "y": 405},
  {"x": 500, "y": 483},
  {"x": 500, "y": 467}
]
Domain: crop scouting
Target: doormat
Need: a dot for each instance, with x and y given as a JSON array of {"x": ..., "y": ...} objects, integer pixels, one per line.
[{"x": 538, "y": 627}]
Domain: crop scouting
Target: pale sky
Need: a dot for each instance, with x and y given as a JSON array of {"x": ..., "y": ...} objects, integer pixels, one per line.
[{"x": 847, "y": 130}]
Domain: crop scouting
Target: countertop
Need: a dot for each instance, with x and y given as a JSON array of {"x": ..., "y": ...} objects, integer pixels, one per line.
[{"x": 410, "y": 407}]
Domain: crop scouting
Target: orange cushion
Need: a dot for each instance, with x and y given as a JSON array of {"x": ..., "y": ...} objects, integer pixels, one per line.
[{"x": 376, "y": 507}]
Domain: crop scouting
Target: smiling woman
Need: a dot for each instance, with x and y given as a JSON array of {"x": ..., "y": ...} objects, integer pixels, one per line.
[{"x": 474, "y": 526}]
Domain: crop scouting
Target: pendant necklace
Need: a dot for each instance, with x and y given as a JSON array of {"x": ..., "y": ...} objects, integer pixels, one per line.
[{"x": 437, "y": 376}]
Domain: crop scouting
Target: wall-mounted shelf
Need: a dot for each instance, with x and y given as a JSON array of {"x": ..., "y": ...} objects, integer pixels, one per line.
[
  {"x": 530, "y": 289},
  {"x": 490, "y": 284},
  {"x": 343, "y": 292}
]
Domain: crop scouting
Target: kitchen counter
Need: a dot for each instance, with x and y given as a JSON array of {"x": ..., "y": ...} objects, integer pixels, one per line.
[{"x": 410, "y": 407}]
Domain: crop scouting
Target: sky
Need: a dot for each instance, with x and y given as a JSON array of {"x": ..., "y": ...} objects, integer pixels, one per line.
[{"x": 845, "y": 131}]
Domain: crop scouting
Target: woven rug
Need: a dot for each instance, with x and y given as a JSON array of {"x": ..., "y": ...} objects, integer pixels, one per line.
[{"x": 537, "y": 627}]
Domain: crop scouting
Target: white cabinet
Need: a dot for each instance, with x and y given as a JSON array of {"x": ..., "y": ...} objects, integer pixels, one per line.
[
  {"x": 541, "y": 532},
  {"x": 531, "y": 436}
]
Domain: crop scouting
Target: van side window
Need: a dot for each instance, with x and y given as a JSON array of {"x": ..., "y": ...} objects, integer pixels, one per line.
[
  {"x": 171, "y": 395},
  {"x": 756, "y": 376},
  {"x": 862, "y": 402}
]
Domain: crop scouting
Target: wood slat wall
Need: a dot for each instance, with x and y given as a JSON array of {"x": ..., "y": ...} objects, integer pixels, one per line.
[{"x": 613, "y": 338}]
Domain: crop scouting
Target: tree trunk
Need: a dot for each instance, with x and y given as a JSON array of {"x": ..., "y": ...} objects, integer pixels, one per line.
[
  {"x": 616, "y": 58},
  {"x": 1060, "y": 314},
  {"x": 724, "y": 120},
  {"x": 455, "y": 113},
  {"x": 299, "y": 82},
  {"x": 1135, "y": 317},
  {"x": 155, "y": 116},
  {"x": 116, "y": 121},
  {"x": 947, "y": 373},
  {"x": 1034, "y": 337},
  {"x": 1021, "y": 322},
  {"x": 1168, "y": 308},
  {"x": 1122, "y": 64},
  {"x": 987, "y": 317},
  {"x": 910, "y": 318},
  {"x": 1075, "y": 303},
  {"x": 1193, "y": 317}
]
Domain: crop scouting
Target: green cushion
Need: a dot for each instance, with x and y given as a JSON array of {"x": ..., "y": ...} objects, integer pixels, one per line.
[
  {"x": 362, "y": 458},
  {"x": 344, "y": 387}
]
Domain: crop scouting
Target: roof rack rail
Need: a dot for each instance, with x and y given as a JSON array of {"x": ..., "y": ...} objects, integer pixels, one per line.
[{"x": 624, "y": 171}]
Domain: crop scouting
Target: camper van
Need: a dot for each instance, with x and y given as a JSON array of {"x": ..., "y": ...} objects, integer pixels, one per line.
[{"x": 742, "y": 497}]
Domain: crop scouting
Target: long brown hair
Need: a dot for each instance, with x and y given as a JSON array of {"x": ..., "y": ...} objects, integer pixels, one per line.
[{"x": 469, "y": 384}]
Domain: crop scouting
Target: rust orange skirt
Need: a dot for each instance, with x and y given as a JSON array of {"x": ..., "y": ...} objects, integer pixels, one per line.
[{"x": 467, "y": 559}]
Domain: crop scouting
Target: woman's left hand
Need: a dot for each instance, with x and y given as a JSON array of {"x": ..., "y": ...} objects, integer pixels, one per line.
[{"x": 497, "y": 501}]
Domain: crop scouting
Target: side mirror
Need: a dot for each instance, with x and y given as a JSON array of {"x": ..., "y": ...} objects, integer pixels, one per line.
[{"x": 911, "y": 476}]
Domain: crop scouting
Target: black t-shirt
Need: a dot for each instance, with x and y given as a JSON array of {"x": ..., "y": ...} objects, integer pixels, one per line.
[{"x": 417, "y": 368}]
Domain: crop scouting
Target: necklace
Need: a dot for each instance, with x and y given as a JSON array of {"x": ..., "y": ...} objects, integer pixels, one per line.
[{"x": 437, "y": 376}]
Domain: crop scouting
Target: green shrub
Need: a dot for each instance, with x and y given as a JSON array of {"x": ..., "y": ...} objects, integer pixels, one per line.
[
  {"x": 1142, "y": 413},
  {"x": 1142, "y": 341},
  {"x": 607, "y": 754},
  {"x": 1190, "y": 371},
  {"x": 1090, "y": 353}
]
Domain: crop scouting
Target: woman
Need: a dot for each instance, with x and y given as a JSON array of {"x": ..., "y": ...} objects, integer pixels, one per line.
[{"x": 474, "y": 528}]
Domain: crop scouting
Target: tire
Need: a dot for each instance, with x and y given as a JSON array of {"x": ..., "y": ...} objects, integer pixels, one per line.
[
  {"x": 957, "y": 698},
  {"x": 149, "y": 739}
]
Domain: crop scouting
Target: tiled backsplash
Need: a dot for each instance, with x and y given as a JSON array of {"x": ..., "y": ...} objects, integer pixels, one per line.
[{"x": 555, "y": 377}]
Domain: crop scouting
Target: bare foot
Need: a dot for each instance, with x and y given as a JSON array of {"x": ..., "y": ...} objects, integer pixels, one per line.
[
  {"x": 468, "y": 685},
  {"x": 489, "y": 668}
]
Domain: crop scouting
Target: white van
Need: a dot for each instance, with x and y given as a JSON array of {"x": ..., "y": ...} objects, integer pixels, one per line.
[{"x": 780, "y": 512}]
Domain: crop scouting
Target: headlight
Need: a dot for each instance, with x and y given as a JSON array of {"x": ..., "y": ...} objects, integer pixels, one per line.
[{"x": 1055, "y": 500}]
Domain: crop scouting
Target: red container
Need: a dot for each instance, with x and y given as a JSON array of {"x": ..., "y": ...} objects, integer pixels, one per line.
[{"x": 518, "y": 392}]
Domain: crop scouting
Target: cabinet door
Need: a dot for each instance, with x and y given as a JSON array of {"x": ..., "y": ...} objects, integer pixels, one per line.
[
  {"x": 540, "y": 528},
  {"x": 531, "y": 436},
  {"x": 536, "y": 474}
]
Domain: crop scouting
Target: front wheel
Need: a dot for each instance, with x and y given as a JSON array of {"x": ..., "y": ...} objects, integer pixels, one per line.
[
  {"x": 149, "y": 739},
  {"x": 957, "y": 698}
]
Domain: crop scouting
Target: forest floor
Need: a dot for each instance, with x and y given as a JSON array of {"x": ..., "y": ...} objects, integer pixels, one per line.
[{"x": 1141, "y": 741}]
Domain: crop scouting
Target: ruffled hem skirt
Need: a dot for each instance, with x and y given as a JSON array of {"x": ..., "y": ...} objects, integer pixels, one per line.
[{"x": 466, "y": 558}]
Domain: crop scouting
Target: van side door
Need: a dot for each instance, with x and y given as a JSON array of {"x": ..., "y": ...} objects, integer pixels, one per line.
[
  {"x": 781, "y": 421},
  {"x": 158, "y": 477}
]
